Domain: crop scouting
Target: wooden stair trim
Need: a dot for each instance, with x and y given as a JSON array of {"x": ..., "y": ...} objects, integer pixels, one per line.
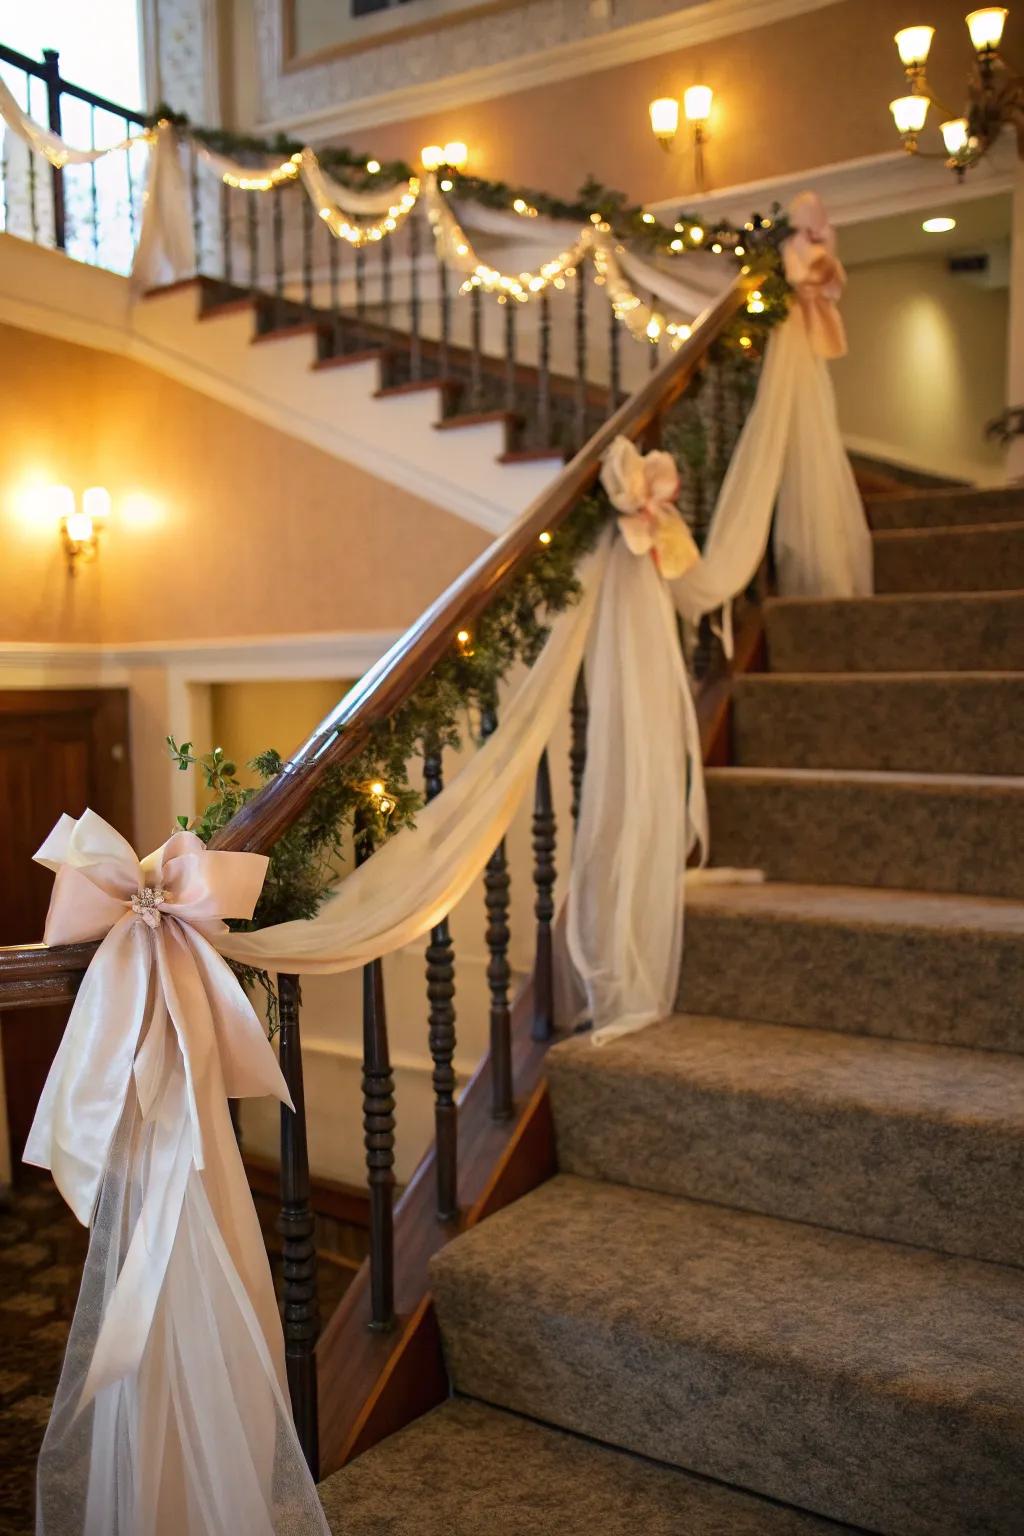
[
  {"x": 417, "y": 386},
  {"x": 346, "y": 359},
  {"x": 531, "y": 455},
  {"x": 363, "y": 1373},
  {"x": 284, "y": 332},
  {"x": 478, "y": 419}
]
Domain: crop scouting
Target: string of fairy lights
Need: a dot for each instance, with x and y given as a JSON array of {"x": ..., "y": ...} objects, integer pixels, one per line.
[{"x": 372, "y": 214}]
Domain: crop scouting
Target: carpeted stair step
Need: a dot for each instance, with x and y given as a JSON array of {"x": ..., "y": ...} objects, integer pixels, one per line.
[
  {"x": 986, "y": 558},
  {"x": 903, "y": 965},
  {"x": 809, "y": 1124},
  {"x": 932, "y": 722},
  {"x": 470, "y": 1470},
  {"x": 921, "y": 632},
  {"x": 929, "y": 832},
  {"x": 866, "y": 1381},
  {"x": 947, "y": 509}
]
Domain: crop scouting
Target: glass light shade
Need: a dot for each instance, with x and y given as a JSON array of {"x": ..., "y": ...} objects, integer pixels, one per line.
[
  {"x": 909, "y": 113},
  {"x": 96, "y": 503},
  {"x": 986, "y": 27},
  {"x": 913, "y": 44},
  {"x": 697, "y": 103},
  {"x": 664, "y": 117},
  {"x": 79, "y": 527},
  {"x": 938, "y": 226},
  {"x": 60, "y": 502},
  {"x": 954, "y": 135},
  {"x": 455, "y": 154},
  {"x": 431, "y": 157}
]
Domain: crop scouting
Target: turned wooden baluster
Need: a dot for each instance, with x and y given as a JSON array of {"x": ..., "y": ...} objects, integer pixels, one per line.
[
  {"x": 415, "y": 342},
  {"x": 307, "y": 253},
  {"x": 296, "y": 1226},
  {"x": 544, "y": 372},
  {"x": 253, "y": 242},
  {"x": 476, "y": 349},
  {"x": 278, "y": 248},
  {"x": 580, "y": 423},
  {"x": 440, "y": 957},
  {"x": 446, "y": 318},
  {"x": 614, "y": 362},
  {"x": 334, "y": 283},
  {"x": 499, "y": 972},
  {"x": 225, "y": 227},
  {"x": 378, "y": 1128},
  {"x": 578, "y": 716},
  {"x": 544, "y": 904},
  {"x": 510, "y": 355}
]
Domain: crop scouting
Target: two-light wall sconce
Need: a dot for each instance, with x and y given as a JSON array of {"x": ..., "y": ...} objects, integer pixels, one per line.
[
  {"x": 664, "y": 113},
  {"x": 80, "y": 525}
]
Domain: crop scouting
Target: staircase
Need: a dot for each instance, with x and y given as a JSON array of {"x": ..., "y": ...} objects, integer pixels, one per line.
[{"x": 776, "y": 1285}]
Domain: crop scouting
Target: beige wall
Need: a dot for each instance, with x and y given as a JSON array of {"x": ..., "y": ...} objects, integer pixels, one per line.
[
  {"x": 926, "y": 366},
  {"x": 246, "y": 718},
  {"x": 804, "y": 92},
  {"x": 256, "y": 532}
]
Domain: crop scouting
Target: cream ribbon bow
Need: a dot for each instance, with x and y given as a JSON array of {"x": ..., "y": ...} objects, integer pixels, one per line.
[
  {"x": 642, "y": 488},
  {"x": 155, "y": 917},
  {"x": 814, "y": 270},
  {"x": 158, "y": 1006}
]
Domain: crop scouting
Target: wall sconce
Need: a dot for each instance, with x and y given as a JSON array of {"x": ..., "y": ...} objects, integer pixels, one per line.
[
  {"x": 80, "y": 527},
  {"x": 664, "y": 114},
  {"x": 453, "y": 156},
  {"x": 994, "y": 92}
]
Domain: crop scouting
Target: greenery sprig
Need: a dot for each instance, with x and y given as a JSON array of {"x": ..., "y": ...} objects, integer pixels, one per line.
[{"x": 372, "y": 796}]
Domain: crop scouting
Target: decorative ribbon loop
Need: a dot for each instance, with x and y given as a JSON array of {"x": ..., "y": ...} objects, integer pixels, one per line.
[
  {"x": 643, "y": 489},
  {"x": 815, "y": 272},
  {"x": 155, "y": 917}
]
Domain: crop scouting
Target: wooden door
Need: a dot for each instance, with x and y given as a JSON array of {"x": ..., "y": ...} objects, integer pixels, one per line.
[{"x": 59, "y": 751}]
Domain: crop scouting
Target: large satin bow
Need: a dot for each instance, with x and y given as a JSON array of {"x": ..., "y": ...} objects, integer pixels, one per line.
[
  {"x": 643, "y": 489},
  {"x": 814, "y": 270},
  {"x": 154, "y": 980}
]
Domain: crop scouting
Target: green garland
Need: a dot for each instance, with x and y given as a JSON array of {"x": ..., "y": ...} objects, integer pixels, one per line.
[
  {"x": 757, "y": 245},
  {"x": 305, "y": 862}
]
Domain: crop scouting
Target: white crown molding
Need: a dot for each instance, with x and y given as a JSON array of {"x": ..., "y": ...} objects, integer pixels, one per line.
[
  {"x": 869, "y": 187},
  {"x": 701, "y": 23},
  {"x": 261, "y": 658}
]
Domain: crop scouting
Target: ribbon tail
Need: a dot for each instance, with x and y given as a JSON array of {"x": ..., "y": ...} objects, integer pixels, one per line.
[{"x": 85, "y": 1091}]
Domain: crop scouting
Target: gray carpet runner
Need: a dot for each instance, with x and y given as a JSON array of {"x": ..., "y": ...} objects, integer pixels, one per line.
[{"x": 778, "y": 1283}]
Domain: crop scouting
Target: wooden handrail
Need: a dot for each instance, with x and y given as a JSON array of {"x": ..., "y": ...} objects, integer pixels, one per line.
[
  {"x": 26, "y": 971},
  {"x": 388, "y": 684}
]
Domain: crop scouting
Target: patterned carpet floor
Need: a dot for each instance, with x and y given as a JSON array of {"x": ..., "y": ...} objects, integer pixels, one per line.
[{"x": 42, "y": 1249}]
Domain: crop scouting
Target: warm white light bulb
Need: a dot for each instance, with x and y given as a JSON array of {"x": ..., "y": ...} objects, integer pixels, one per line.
[
  {"x": 913, "y": 44},
  {"x": 431, "y": 157},
  {"x": 938, "y": 226},
  {"x": 455, "y": 154},
  {"x": 697, "y": 103},
  {"x": 60, "y": 502},
  {"x": 79, "y": 527},
  {"x": 664, "y": 117},
  {"x": 373, "y": 166},
  {"x": 96, "y": 503},
  {"x": 986, "y": 27},
  {"x": 954, "y": 135},
  {"x": 909, "y": 113}
]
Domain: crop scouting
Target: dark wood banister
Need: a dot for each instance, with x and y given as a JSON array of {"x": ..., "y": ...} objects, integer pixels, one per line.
[{"x": 32, "y": 973}]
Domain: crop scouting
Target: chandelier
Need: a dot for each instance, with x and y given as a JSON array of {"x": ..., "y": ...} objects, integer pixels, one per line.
[{"x": 995, "y": 95}]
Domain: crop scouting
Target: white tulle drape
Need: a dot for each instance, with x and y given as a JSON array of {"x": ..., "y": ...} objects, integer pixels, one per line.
[
  {"x": 643, "y": 809},
  {"x": 790, "y": 452},
  {"x": 171, "y": 1416}
]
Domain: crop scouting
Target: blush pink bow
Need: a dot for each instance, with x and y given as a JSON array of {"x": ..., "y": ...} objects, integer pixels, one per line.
[
  {"x": 643, "y": 488},
  {"x": 155, "y": 982},
  {"x": 816, "y": 274}
]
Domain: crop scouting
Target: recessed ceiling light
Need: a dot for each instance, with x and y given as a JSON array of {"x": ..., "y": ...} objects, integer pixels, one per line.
[{"x": 938, "y": 226}]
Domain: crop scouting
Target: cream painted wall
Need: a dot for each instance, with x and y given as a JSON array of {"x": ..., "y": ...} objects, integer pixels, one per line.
[
  {"x": 926, "y": 367},
  {"x": 255, "y": 533},
  {"x": 805, "y": 91},
  {"x": 248, "y": 717}
]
